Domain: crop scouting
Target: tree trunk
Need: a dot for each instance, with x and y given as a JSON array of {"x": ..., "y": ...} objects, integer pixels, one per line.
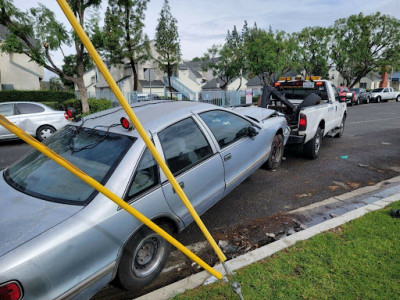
[
  {"x": 135, "y": 75},
  {"x": 169, "y": 80},
  {"x": 82, "y": 93}
]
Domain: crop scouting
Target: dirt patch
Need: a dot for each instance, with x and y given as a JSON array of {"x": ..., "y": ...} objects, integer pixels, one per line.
[
  {"x": 333, "y": 188},
  {"x": 353, "y": 185}
]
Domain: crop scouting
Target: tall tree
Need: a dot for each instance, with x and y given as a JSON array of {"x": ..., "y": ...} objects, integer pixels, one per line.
[
  {"x": 36, "y": 33},
  {"x": 123, "y": 34},
  {"x": 268, "y": 54},
  {"x": 70, "y": 68},
  {"x": 225, "y": 61},
  {"x": 363, "y": 44},
  {"x": 167, "y": 43},
  {"x": 314, "y": 51}
]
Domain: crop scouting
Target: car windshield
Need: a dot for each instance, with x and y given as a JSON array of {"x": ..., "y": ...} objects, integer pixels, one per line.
[
  {"x": 97, "y": 153},
  {"x": 377, "y": 90},
  {"x": 355, "y": 90}
]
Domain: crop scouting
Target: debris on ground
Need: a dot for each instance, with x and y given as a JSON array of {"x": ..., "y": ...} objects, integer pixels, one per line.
[
  {"x": 386, "y": 143},
  {"x": 363, "y": 166},
  {"x": 341, "y": 184},
  {"x": 333, "y": 215},
  {"x": 333, "y": 188},
  {"x": 353, "y": 185},
  {"x": 395, "y": 213},
  {"x": 303, "y": 195},
  {"x": 344, "y": 157}
]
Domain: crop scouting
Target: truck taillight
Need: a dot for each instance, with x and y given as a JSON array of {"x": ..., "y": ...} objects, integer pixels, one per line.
[
  {"x": 302, "y": 122},
  {"x": 10, "y": 291},
  {"x": 66, "y": 116}
]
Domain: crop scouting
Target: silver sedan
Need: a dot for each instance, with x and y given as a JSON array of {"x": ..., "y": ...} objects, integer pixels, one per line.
[
  {"x": 36, "y": 119},
  {"x": 60, "y": 238}
]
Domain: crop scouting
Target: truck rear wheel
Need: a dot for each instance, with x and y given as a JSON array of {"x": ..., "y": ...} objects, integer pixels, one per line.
[
  {"x": 312, "y": 148},
  {"x": 341, "y": 128}
]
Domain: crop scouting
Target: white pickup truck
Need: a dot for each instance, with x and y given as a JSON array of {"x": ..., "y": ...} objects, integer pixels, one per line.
[
  {"x": 313, "y": 110},
  {"x": 384, "y": 94}
]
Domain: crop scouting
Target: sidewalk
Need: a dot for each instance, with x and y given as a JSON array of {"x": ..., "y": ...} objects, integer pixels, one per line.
[{"x": 324, "y": 216}]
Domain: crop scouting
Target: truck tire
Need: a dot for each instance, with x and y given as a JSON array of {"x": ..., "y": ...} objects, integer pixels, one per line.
[
  {"x": 276, "y": 153},
  {"x": 398, "y": 98},
  {"x": 143, "y": 258},
  {"x": 340, "y": 133},
  {"x": 310, "y": 100},
  {"x": 312, "y": 148}
]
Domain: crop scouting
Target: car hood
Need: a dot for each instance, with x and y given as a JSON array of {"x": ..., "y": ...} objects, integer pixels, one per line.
[
  {"x": 257, "y": 113},
  {"x": 23, "y": 217}
]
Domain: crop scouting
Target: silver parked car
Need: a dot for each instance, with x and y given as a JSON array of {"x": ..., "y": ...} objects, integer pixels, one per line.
[
  {"x": 36, "y": 119},
  {"x": 60, "y": 238}
]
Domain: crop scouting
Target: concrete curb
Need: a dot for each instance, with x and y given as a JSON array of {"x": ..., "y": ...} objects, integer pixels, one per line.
[{"x": 266, "y": 251}]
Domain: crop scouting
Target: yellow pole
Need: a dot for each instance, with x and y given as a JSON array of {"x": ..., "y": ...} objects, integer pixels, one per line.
[
  {"x": 106, "y": 192},
  {"x": 111, "y": 82}
]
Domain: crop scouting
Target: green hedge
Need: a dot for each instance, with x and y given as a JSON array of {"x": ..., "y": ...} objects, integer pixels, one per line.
[
  {"x": 94, "y": 104},
  {"x": 35, "y": 96}
]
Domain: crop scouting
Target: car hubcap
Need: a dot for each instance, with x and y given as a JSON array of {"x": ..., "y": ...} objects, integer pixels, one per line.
[
  {"x": 45, "y": 133},
  {"x": 317, "y": 143},
  {"x": 148, "y": 255},
  {"x": 276, "y": 151}
]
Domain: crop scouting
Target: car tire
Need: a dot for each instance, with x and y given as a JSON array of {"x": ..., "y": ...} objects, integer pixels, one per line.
[
  {"x": 45, "y": 131},
  {"x": 358, "y": 102},
  {"x": 398, "y": 98},
  {"x": 143, "y": 258},
  {"x": 312, "y": 148},
  {"x": 368, "y": 100},
  {"x": 341, "y": 128},
  {"x": 378, "y": 99},
  {"x": 276, "y": 153}
]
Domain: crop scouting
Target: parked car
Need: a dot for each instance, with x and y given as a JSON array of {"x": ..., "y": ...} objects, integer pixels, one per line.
[
  {"x": 60, "y": 238},
  {"x": 361, "y": 95},
  {"x": 343, "y": 90},
  {"x": 384, "y": 94},
  {"x": 36, "y": 119}
]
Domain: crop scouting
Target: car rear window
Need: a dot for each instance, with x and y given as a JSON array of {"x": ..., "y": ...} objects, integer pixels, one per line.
[{"x": 95, "y": 152}]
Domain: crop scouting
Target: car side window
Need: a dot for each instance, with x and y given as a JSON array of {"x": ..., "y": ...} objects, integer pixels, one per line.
[
  {"x": 226, "y": 127},
  {"x": 184, "y": 145},
  {"x": 7, "y": 110},
  {"x": 29, "y": 108},
  {"x": 336, "y": 93},
  {"x": 385, "y": 90},
  {"x": 146, "y": 175}
]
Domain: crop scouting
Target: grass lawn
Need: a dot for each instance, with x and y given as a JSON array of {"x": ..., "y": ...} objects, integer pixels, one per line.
[{"x": 359, "y": 260}]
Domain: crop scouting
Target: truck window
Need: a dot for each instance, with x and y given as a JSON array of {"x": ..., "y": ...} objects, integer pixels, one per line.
[{"x": 335, "y": 92}]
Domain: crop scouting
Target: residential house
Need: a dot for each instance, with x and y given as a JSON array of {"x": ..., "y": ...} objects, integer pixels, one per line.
[
  {"x": 233, "y": 85},
  {"x": 17, "y": 71}
]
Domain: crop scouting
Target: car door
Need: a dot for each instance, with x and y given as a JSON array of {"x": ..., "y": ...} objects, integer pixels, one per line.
[
  {"x": 385, "y": 94},
  {"x": 196, "y": 165},
  {"x": 240, "y": 153},
  {"x": 31, "y": 116},
  {"x": 9, "y": 111}
]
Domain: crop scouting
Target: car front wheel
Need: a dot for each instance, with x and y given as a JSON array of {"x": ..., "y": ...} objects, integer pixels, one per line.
[
  {"x": 398, "y": 98},
  {"x": 312, "y": 148},
  {"x": 275, "y": 156},
  {"x": 143, "y": 258},
  {"x": 378, "y": 99},
  {"x": 44, "y": 132}
]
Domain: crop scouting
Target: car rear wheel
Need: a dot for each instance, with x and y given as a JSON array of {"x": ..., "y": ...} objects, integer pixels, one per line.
[
  {"x": 143, "y": 258},
  {"x": 44, "y": 132},
  {"x": 398, "y": 98},
  {"x": 275, "y": 156},
  {"x": 312, "y": 148},
  {"x": 341, "y": 128}
]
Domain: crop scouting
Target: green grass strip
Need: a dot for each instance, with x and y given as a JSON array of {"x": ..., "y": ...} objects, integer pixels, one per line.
[{"x": 359, "y": 260}]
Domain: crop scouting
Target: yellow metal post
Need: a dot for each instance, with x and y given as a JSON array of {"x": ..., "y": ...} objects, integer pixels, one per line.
[
  {"x": 111, "y": 82},
  {"x": 106, "y": 192}
]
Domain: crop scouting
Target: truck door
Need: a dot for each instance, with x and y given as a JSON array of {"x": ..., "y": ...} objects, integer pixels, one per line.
[{"x": 338, "y": 107}]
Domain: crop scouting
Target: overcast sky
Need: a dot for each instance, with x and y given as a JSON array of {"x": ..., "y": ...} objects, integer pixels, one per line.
[{"x": 203, "y": 23}]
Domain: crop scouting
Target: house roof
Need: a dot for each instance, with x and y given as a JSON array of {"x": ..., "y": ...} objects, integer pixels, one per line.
[
  {"x": 212, "y": 84},
  {"x": 4, "y": 32},
  {"x": 124, "y": 78},
  {"x": 154, "y": 83}
]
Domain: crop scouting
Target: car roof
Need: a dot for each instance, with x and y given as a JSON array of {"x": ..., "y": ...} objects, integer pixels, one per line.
[{"x": 153, "y": 115}]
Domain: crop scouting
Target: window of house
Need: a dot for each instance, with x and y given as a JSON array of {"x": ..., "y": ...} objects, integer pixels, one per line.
[
  {"x": 226, "y": 127},
  {"x": 29, "y": 108},
  {"x": 184, "y": 145},
  {"x": 146, "y": 175},
  {"x": 7, "y": 109},
  {"x": 363, "y": 85}
]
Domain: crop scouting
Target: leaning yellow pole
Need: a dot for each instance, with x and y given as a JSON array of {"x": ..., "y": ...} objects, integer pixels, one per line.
[
  {"x": 114, "y": 87},
  {"x": 106, "y": 192}
]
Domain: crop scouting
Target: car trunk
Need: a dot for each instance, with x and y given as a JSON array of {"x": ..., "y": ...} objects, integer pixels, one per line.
[{"x": 22, "y": 217}]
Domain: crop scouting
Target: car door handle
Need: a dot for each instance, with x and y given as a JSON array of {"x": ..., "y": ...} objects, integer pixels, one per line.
[
  {"x": 227, "y": 157},
  {"x": 181, "y": 184}
]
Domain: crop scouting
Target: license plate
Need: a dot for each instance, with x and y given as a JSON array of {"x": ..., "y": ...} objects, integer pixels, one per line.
[{"x": 308, "y": 84}]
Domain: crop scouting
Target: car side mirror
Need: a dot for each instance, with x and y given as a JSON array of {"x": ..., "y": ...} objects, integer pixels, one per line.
[
  {"x": 349, "y": 96},
  {"x": 251, "y": 131}
]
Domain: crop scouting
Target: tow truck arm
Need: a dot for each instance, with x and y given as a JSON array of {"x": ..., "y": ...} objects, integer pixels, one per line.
[{"x": 266, "y": 98}]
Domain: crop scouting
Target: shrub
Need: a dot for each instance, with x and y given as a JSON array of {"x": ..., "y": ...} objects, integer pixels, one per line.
[
  {"x": 35, "y": 96},
  {"x": 94, "y": 104}
]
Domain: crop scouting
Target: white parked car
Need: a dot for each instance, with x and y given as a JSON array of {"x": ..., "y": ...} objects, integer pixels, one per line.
[{"x": 36, "y": 119}]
